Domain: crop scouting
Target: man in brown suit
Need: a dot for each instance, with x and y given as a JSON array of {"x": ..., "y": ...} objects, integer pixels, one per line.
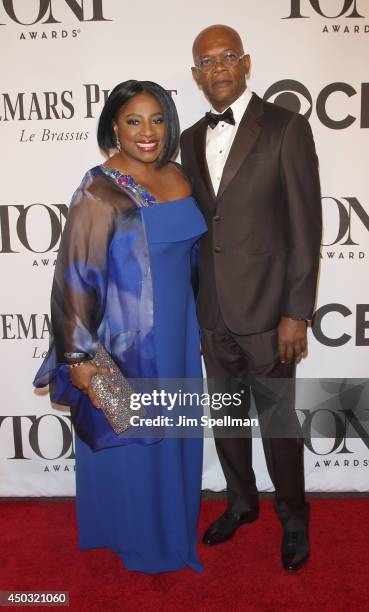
[{"x": 255, "y": 174}]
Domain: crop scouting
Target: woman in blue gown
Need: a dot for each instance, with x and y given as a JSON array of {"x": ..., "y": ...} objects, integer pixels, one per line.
[{"x": 123, "y": 280}]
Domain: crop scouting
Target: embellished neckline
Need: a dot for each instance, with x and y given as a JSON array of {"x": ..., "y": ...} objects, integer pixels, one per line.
[{"x": 127, "y": 182}]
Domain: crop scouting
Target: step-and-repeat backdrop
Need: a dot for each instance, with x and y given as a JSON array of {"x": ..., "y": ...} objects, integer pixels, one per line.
[{"x": 60, "y": 58}]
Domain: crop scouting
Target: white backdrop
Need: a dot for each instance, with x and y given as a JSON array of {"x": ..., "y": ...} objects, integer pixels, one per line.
[{"x": 58, "y": 59}]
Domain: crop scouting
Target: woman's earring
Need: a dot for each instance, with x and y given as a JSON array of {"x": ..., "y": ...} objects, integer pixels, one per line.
[{"x": 117, "y": 144}]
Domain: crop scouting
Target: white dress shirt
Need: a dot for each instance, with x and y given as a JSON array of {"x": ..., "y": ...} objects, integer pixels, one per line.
[{"x": 219, "y": 140}]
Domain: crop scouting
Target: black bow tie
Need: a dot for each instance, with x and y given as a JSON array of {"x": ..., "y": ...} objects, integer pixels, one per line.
[{"x": 213, "y": 118}]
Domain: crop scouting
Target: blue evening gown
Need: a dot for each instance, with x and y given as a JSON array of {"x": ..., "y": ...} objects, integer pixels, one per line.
[{"x": 142, "y": 501}]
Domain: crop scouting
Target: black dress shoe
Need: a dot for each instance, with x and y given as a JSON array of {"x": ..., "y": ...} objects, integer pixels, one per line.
[
  {"x": 226, "y": 526},
  {"x": 295, "y": 550}
]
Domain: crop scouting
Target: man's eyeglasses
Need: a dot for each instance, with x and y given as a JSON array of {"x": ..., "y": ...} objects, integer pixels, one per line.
[{"x": 228, "y": 60}]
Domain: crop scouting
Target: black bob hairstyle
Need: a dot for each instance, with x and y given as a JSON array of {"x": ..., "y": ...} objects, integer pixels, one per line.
[{"x": 119, "y": 96}]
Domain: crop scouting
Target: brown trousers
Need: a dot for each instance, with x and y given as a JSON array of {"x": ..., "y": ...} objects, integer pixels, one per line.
[{"x": 240, "y": 364}]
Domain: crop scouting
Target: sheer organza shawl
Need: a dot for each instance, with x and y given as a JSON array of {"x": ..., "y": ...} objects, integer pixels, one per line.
[{"x": 102, "y": 293}]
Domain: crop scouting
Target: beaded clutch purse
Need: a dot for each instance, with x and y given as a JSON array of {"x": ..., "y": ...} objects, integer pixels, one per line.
[{"x": 113, "y": 393}]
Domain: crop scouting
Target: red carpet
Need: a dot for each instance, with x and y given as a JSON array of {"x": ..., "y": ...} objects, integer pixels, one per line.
[{"x": 38, "y": 552}]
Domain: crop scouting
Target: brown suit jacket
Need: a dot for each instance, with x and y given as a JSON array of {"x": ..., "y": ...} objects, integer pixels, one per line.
[{"x": 259, "y": 260}]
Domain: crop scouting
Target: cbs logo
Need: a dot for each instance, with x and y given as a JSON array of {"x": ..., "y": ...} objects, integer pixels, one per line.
[
  {"x": 296, "y": 97},
  {"x": 340, "y": 312}
]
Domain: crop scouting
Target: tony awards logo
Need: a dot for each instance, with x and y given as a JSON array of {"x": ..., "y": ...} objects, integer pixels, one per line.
[
  {"x": 50, "y": 13},
  {"x": 347, "y": 8},
  {"x": 29, "y": 436},
  {"x": 346, "y": 15},
  {"x": 20, "y": 230},
  {"x": 345, "y": 228}
]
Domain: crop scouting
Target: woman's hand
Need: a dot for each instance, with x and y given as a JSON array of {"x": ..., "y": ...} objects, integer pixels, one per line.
[{"x": 81, "y": 378}]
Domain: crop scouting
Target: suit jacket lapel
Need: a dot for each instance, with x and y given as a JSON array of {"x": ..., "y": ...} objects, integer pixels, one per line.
[
  {"x": 200, "y": 149},
  {"x": 247, "y": 134}
]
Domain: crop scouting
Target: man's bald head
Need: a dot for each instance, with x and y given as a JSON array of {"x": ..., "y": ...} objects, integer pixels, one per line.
[
  {"x": 224, "y": 81},
  {"x": 212, "y": 33}
]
